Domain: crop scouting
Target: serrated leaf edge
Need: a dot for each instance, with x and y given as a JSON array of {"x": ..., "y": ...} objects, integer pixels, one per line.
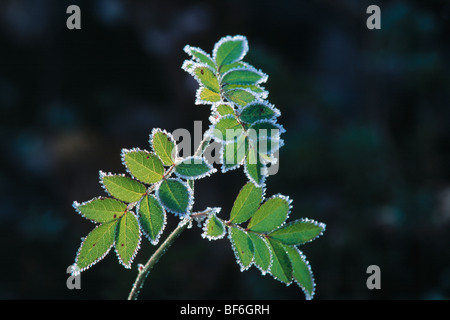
[
  {"x": 146, "y": 235},
  {"x": 210, "y": 171},
  {"x": 168, "y": 134},
  {"x": 138, "y": 246},
  {"x": 316, "y": 223},
  {"x": 231, "y": 38},
  {"x": 190, "y": 202},
  {"x": 205, "y": 228},
  {"x": 236, "y": 254},
  {"x": 76, "y": 204}
]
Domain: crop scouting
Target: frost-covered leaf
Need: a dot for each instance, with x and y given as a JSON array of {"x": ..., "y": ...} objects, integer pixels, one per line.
[
  {"x": 227, "y": 128},
  {"x": 242, "y": 246},
  {"x": 152, "y": 218},
  {"x": 96, "y": 245},
  {"x": 243, "y": 76},
  {"x": 233, "y": 153},
  {"x": 298, "y": 232},
  {"x": 260, "y": 110},
  {"x": 206, "y": 77},
  {"x": 271, "y": 214},
  {"x": 193, "y": 168},
  {"x": 241, "y": 97},
  {"x": 101, "y": 210},
  {"x": 175, "y": 196},
  {"x": 164, "y": 146},
  {"x": 266, "y": 129},
  {"x": 246, "y": 203},
  {"x": 255, "y": 169},
  {"x": 214, "y": 228},
  {"x": 234, "y": 65},
  {"x": 281, "y": 268},
  {"x": 256, "y": 89},
  {"x": 128, "y": 238},
  {"x": 230, "y": 49},
  {"x": 301, "y": 271},
  {"x": 206, "y": 96},
  {"x": 143, "y": 165},
  {"x": 122, "y": 187},
  {"x": 224, "y": 108},
  {"x": 200, "y": 56},
  {"x": 263, "y": 257}
]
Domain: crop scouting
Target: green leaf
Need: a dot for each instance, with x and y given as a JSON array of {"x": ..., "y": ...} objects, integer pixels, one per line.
[
  {"x": 101, "y": 210},
  {"x": 254, "y": 168},
  {"x": 265, "y": 129},
  {"x": 152, "y": 218},
  {"x": 270, "y": 215},
  {"x": 298, "y": 232},
  {"x": 301, "y": 271},
  {"x": 233, "y": 153},
  {"x": 164, "y": 146},
  {"x": 256, "y": 89},
  {"x": 229, "y": 49},
  {"x": 175, "y": 196},
  {"x": 243, "y": 77},
  {"x": 258, "y": 111},
  {"x": 281, "y": 268},
  {"x": 143, "y": 165},
  {"x": 214, "y": 228},
  {"x": 234, "y": 65},
  {"x": 246, "y": 203},
  {"x": 242, "y": 246},
  {"x": 96, "y": 245},
  {"x": 206, "y": 77},
  {"x": 200, "y": 56},
  {"x": 241, "y": 97},
  {"x": 227, "y": 128},
  {"x": 263, "y": 257},
  {"x": 122, "y": 188},
  {"x": 128, "y": 238},
  {"x": 193, "y": 168},
  {"x": 206, "y": 96},
  {"x": 224, "y": 109}
]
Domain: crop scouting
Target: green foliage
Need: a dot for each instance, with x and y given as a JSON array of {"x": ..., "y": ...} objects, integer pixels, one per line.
[{"x": 244, "y": 125}]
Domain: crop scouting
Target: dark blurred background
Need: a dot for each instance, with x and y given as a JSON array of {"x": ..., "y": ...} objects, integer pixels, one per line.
[{"x": 367, "y": 141}]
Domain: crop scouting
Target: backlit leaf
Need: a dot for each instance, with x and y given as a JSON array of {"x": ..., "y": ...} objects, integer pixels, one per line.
[
  {"x": 164, "y": 146},
  {"x": 263, "y": 256},
  {"x": 128, "y": 238},
  {"x": 122, "y": 187},
  {"x": 242, "y": 246},
  {"x": 175, "y": 196},
  {"x": 246, "y": 203},
  {"x": 101, "y": 209},
  {"x": 213, "y": 228},
  {"x": 301, "y": 271},
  {"x": 206, "y": 77},
  {"x": 255, "y": 169},
  {"x": 241, "y": 97},
  {"x": 258, "y": 111},
  {"x": 271, "y": 214},
  {"x": 281, "y": 268},
  {"x": 96, "y": 245},
  {"x": 143, "y": 165},
  {"x": 152, "y": 218},
  {"x": 243, "y": 76},
  {"x": 206, "y": 96},
  {"x": 200, "y": 56},
  {"x": 229, "y": 49},
  {"x": 227, "y": 128},
  {"x": 193, "y": 168},
  {"x": 298, "y": 232}
]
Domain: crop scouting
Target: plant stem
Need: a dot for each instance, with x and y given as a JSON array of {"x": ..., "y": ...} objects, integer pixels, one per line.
[{"x": 139, "y": 282}]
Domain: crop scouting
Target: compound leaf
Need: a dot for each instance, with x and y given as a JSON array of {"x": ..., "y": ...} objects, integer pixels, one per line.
[
  {"x": 164, "y": 146},
  {"x": 192, "y": 168},
  {"x": 143, "y": 165},
  {"x": 122, "y": 188},
  {"x": 281, "y": 268},
  {"x": 229, "y": 49},
  {"x": 270, "y": 215},
  {"x": 128, "y": 238},
  {"x": 301, "y": 271},
  {"x": 152, "y": 218},
  {"x": 242, "y": 246},
  {"x": 96, "y": 245},
  {"x": 101, "y": 210},
  {"x": 175, "y": 196},
  {"x": 298, "y": 232},
  {"x": 246, "y": 203},
  {"x": 263, "y": 257}
]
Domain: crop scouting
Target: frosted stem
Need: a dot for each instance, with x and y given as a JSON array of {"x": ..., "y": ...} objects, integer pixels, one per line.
[{"x": 142, "y": 275}]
